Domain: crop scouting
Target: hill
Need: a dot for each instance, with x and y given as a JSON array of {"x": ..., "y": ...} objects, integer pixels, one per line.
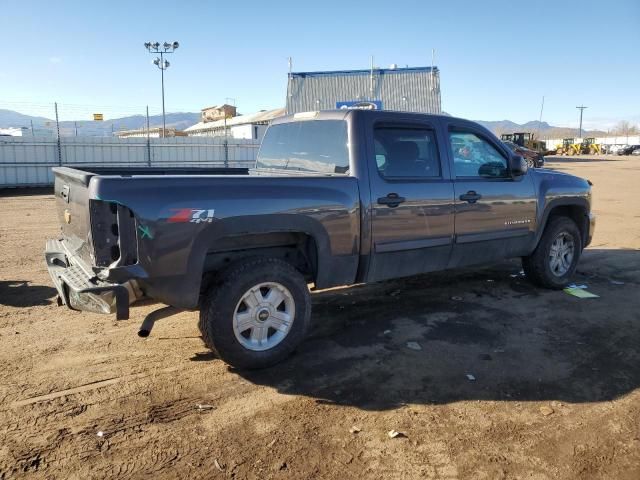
[
  {"x": 182, "y": 120},
  {"x": 540, "y": 129}
]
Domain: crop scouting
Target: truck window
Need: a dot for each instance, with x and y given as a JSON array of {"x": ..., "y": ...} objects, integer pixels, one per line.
[
  {"x": 406, "y": 152},
  {"x": 307, "y": 146},
  {"x": 473, "y": 156}
]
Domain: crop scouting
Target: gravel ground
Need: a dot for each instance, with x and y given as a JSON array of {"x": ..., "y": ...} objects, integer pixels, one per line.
[{"x": 505, "y": 380}]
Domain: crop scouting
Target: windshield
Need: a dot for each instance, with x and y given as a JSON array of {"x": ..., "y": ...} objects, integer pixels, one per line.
[{"x": 306, "y": 146}]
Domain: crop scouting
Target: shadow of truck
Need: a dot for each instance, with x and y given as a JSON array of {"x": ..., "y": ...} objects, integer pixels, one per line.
[{"x": 519, "y": 342}]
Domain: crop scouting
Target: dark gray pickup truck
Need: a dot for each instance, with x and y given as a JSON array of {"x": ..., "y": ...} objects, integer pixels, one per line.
[{"x": 336, "y": 198}]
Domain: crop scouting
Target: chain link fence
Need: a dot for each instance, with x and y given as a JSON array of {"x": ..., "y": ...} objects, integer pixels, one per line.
[{"x": 127, "y": 137}]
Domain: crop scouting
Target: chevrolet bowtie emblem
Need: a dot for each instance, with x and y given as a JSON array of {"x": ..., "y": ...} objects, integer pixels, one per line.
[{"x": 67, "y": 216}]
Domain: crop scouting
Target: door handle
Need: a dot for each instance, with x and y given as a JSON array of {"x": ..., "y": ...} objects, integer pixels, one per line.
[
  {"x": 391, "y": 200},
  {"x": 471, "y": 196}
]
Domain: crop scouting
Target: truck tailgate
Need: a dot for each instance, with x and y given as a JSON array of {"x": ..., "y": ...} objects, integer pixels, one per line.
[{"x": 71, "y": 189}]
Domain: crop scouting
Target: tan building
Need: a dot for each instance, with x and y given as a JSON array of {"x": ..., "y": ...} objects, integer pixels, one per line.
[
  {"x": 250, "y": 127},
  {"x": 218, "y": 112}
]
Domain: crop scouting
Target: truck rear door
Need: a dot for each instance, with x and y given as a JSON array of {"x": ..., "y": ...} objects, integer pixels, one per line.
[{"x": 411, "y": 197}]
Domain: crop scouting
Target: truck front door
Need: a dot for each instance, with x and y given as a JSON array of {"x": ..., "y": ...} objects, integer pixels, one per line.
[
  {"x": 495, "y": 213},
  {"x": 411, "y": 198}
]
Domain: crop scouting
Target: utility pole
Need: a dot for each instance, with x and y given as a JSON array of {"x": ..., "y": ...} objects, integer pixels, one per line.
[
  {"x": 32, "y": 133},
  {"x": 162, "y": 64},
  {"x": 581, "y": 108}
]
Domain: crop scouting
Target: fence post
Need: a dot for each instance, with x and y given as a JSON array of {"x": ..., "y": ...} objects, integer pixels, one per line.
[
  {"x": 148, "y": 140},
  {"x": 58, "y": 130}
]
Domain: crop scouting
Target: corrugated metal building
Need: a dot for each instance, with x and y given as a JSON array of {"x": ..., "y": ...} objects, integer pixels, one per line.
[{"x": 412, "y": 89}]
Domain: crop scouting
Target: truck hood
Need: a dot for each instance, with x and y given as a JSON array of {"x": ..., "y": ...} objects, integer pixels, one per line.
[
  {"x": 559, "y": 178},
  {"x": 561, "y": 188}
]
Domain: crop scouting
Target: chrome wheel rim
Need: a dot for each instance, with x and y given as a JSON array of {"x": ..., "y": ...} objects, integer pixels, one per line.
[
  {"x": 561, "y": 254},
  {"x": 263, "y": 317}
]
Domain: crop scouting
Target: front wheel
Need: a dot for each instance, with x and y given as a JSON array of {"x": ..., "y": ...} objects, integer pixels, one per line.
[
  {"x": 554, "y": 260},
  {"x": 257, "y": 313}
]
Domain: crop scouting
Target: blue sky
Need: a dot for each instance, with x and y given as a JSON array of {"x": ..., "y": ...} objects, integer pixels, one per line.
[{"x": 497, "y": 58}]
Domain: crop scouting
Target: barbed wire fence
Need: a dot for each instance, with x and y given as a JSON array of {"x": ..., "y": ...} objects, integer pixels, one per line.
[
  {"x": 56, "y": 133},
  {"x": 73, "y": 119}
]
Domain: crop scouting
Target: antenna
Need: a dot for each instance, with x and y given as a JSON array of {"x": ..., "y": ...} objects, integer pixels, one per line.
[
  {"x": 540, "y": 121},
  {"x": 289, "y": 92},
  {"x": 433, "y": 56},
  {"x": 371, "y": 81}
]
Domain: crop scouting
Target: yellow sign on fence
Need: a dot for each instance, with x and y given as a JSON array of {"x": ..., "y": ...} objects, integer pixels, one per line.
[{"x": 97, "y": 117}]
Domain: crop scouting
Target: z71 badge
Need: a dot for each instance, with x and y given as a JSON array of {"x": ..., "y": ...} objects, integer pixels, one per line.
[{"x": 191, "y": 215}]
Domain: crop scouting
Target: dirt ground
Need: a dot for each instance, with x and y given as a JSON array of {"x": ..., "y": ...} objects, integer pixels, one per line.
[{"x": 556, "y": 391}]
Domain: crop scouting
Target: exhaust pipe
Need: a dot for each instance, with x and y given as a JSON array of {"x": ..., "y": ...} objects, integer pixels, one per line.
[{"x": 150, "y": 320}]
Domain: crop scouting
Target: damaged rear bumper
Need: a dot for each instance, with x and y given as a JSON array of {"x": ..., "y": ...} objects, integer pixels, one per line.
[{"x": 80, "y": 291}]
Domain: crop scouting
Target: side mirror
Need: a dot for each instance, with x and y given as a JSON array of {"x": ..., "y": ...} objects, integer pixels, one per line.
[{"x": 517, "y": 165}]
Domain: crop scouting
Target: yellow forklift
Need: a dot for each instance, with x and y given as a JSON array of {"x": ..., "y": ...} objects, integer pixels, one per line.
[
  {"x": 590, "y": 147},
  {"x": 568, "y": 147}
]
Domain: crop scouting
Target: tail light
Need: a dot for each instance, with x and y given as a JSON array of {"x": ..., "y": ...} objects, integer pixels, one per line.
[{"x": 113, "y": 234}]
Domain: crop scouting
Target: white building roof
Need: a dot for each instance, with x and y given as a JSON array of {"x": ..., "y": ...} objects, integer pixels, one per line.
[{"x": 259, "y": 117}]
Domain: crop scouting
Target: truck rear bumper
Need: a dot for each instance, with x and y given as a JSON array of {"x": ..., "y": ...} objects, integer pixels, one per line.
[{"x": 79, "y": 291}]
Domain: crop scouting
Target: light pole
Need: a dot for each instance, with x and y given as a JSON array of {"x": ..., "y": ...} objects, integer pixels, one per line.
[{"x": 162, "y": 64}]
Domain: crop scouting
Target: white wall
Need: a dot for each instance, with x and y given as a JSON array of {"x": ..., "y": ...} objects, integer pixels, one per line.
[{"x": 245, "y": 131}]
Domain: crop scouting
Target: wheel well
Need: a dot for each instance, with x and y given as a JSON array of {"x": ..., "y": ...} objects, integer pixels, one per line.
[
  {"x": 296, "y": 248},
  {"x": 576, "y": 213}
]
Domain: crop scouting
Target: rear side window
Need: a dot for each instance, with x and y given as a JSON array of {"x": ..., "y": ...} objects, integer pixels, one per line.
[
  {"x": 306, "y": 146},
  {"x": 406, "y": 152}
]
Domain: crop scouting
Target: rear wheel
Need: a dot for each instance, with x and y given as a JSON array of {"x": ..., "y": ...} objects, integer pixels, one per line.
[
  {"x": 256, "y": 314},
  {"x": 554, "y": 260}
]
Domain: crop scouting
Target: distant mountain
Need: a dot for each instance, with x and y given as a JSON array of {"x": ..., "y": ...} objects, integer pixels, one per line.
[
  {"x": 179, "y": 121},
  {"x": 182, "y": 120},
  {"x": 9, "y": 118},
  {"x": 540, "y": 129}
]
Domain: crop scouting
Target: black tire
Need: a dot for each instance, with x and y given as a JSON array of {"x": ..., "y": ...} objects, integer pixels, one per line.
[
  {"x": 537, "y": 265},
  {"x": 219, "y": 307}
]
